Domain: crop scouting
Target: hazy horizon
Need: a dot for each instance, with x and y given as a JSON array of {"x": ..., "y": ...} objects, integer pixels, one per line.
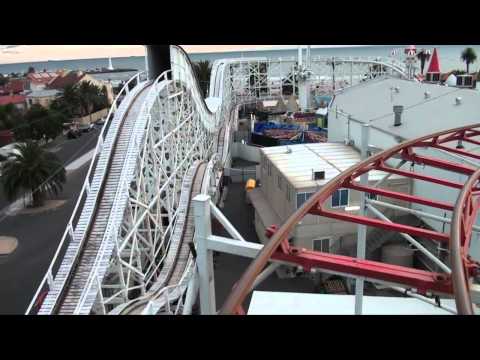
[{"x": 11, "y": 54}]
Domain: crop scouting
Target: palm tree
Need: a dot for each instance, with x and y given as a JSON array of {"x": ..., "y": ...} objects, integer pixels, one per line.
[
  {"x": 9, "y": 116},
  {"x": 469, "y": 57},
  {"x": 33, "y": 170},
  {"x": 68, "y": 102},
  {"x": 91, "y": 98},
  {"x": 203, "y": 69}
]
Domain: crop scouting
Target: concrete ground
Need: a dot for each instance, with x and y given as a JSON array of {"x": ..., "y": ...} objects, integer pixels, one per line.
[
  {"x": 39, "y": 234},
  {"x": 229, "y": 268}
]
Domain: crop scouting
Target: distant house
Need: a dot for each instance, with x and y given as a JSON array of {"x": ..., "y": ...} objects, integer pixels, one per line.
[
  {"x": 65, "y": 79},
  {"x": 18, "y": 100},
  {"x": 40, "y": 80},
  {"x": 77, "y": 77},
  {"x": 42, "y": 97},
  {"x": 13, "y": 87}
]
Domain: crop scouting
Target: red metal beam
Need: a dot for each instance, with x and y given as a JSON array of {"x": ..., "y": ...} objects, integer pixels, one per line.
[
  {"x": 419, "y": 279},
  {"x": 473, "y": 132},
  {"x": 475, "y": 142},
  {"x": 442, "y": 164},
  {"x": 418, "y": 176},
  {"x": 426, "y": 280},
  {"x": 392, "y": 226},
  {"x": 457, "y": 151},
  {"x": 400, "y": 196}
]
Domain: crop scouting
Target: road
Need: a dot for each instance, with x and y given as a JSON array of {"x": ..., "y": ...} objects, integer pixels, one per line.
[
  {"x": 229, "y": 268},
  {"x": 67, "y": 151},
  {"x": 39, "y": 234}
]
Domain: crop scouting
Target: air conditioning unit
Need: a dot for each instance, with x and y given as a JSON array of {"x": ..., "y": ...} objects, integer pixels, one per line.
[{"x": 318, "y": 175}]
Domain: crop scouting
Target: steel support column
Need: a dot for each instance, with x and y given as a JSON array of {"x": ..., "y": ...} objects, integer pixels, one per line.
[
  {"x": 158, "y": 60},
  {"x": 362, "y": 229}
]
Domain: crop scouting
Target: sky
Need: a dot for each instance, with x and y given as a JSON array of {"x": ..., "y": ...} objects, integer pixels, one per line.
[{"x": 31, "y": 53}]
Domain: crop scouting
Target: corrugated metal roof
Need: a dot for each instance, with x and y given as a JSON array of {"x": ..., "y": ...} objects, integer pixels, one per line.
[
  {"x": 298, "y": 165},
  {"x": 374, "y": 100}
]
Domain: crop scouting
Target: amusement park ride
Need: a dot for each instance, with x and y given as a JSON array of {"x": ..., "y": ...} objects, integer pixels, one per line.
[{"x": 140, "y": 241}]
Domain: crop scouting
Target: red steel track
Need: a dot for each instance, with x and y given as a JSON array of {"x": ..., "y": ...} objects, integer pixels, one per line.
[{"x": 464, "y": 215}]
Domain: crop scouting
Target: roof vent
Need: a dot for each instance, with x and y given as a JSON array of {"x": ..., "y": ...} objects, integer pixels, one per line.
[
  {"x": 458, "y": 100},
  {"x": 289, "y": 150},
  {"x": 397, "y": 89},
  {"x": 398, "y": 110},
  {"x": 427, "y": 94}
]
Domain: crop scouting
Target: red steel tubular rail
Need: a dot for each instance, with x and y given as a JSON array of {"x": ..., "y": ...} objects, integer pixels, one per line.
[
  {"x": 464, "y": 210},
  {"x": 463, "y": 219}
]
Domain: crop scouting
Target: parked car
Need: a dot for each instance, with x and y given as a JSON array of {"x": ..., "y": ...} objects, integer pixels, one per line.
[
  {"x": 74, "y": 134},
  {"x": 101, "y": 122},
  {"x": 86, "y": 128}
]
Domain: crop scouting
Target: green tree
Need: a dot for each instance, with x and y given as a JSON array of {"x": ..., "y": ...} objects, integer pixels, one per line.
[
  {"x": 33, "y": 170},
  {"x": 80, "y": 100},
  {"x": 31, "y": 70},
  {"x": 3, "y": 79},
  {"x": 468, "y": 57},
  {"x": 9, "y": 116},
  {"x": 68, "y": 102},
  {"x": 203, "y": 70},
  {"x": 40, "y": 123}
]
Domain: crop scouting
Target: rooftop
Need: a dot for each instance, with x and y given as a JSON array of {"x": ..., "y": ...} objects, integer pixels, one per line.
[
  {"x": 289, "y": 303},
  {"x": 42, "y": 77},
  {"x": 43, "y": 93},
  {"x": 297, "y": 165},
  {"x": 70, "y": 78},
  {"x": 434, "y": 66},
  {"x": 13, "y": 86},
  {"x": 14, "y": 99},
  {"x": 373, "y": 102}
]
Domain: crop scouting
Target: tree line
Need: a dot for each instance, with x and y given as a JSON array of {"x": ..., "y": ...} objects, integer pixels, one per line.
[
  {"x": 31, "y": 169},
  {"x": 40, "y": 123}
]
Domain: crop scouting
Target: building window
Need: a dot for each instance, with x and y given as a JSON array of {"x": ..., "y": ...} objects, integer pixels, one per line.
[
  {"x": 264, "y": 161},
  {"x": 302, "y": 197},
  {"x": 340, "y": 198},
  {"x": 289, "y": 195},
  {"x": 269, "y": 169},
  {"x": 371, "y": 196},
  {"x": 279, "y": 182},
  {"x": 322, "y": 245}
]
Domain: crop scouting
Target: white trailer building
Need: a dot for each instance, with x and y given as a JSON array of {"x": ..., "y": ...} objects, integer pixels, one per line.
[{"x": 289, "y": 175}]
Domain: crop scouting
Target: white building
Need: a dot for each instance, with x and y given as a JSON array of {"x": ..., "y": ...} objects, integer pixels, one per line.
[
  {"x": 290, "y": 175},
  {"x": 428, "y": 108},
  {"x": 42, "y": 97}
]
